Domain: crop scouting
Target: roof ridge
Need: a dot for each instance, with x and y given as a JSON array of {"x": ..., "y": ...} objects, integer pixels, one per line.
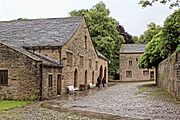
[{"x": 27, "y": 19}]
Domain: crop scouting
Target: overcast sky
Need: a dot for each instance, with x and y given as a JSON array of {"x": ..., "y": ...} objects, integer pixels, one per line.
[{"x": 127, "y": 12}]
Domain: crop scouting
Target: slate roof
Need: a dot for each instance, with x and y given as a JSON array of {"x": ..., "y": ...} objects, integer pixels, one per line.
[
  {"x": 37, "y": 57},
  {"x": 19, "y": 34},
  {"x": 132, "y": 48},
  {"x": 39, "y": 32},
  {"x": 101, "y": 55}
]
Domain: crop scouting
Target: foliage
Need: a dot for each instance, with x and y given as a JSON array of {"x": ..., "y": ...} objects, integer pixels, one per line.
[
  {"x": 103, "y": 31},
  {"x": 152, "y": 30},
  {"x": 5, "y": 104},
  {"x": 173, "y": 3},
  {"x": 164, "y": 43},
  {"x": 127, "y": 37},
  {"x": 135, "y": 39}
]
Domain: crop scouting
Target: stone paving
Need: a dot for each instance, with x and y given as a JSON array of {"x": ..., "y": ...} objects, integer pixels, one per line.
[
  {"x": 122, "y": 100},
  {"x": 36, "y": 112}
]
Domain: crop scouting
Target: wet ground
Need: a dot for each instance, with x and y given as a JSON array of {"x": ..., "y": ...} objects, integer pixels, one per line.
[
  {"x": 126, "y": 100},
  {"x": 123, "y": 101}
]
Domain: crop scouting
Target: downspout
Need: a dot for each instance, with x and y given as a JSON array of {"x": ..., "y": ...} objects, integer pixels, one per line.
[
  {"x": 59, "y": 50},
  {"x": 41, "y": 79}
]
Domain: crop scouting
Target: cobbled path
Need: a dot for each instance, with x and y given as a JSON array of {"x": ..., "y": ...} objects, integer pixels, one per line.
[
  {"x": 122, "y": 100},
  {"x": 36, "y": 112}
]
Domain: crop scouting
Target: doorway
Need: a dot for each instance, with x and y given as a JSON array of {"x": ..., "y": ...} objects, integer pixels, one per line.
[
  {"x": 85, "y": 82},
  {"x": 59, "y": 82},
  {"x": 152, "y": 75},
  {"x": 75, "y": 78}
]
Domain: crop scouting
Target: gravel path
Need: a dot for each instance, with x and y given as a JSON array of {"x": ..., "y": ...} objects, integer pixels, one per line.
[{"x": 122, "y": 100}]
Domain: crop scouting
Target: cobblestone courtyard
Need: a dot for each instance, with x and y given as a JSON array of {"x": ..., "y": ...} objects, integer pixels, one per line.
[{"x": 125, "y": 101}]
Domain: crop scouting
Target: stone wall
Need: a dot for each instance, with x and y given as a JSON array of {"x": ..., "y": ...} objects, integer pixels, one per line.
[
  {"x": 137, "y": 73},
  {"x": 77, "y": 47},
  {"x": 49, "y": 92},
  {"x": 23, "y": 75},
  {"x": 168, "y": 75}
]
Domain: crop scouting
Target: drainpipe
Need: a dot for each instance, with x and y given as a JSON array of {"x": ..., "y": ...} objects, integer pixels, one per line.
[{"x": 41, "y": 79}]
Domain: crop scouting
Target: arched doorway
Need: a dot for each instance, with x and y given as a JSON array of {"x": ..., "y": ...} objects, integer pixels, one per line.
[
  {"x": 93, "y": 77},
  {"x": 101, "y": 72},
  {"x": 105, "y": 73},
  {"x": 85, "y": 81},
  {"x": 75, "y": 78}
]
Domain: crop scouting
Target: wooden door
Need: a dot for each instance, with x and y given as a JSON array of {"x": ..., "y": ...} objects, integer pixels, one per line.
[{"x": 59, "y": 82}]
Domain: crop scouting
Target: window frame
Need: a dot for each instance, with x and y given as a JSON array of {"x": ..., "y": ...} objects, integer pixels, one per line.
[
  {"x": 96, "y": 65},
  {"x": 69, "y": 60},
  {"x": 85, "y": 41},
  {"x": 90, "y": 63},
  {"x": 81, "y": 61},
  {"x": 50, "y": 81},
  {"x": 130, "y": 62},
  {"x": 129, "y": 73},
  {"x": 4, "y": 81},
  {"x": 145, "y": 72}
]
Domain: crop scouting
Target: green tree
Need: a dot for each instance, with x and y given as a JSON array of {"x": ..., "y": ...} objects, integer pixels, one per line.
[
  {"x": 164, "y": 43},
  {"x": 103, "y": 31},
  {"x": 173, "y": 3},
  {"x": 135, "y": 39},
  {"x": 152, "y": 30}
]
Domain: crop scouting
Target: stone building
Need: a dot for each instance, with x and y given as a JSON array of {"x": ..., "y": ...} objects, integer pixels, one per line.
[
  {"x": 128, "y": 67},
  {"x": 39, "y": 58}
]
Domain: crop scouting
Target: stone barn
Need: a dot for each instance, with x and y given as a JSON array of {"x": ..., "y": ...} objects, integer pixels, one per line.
[
  {"x": 128, "y": 67},
  {"x": 39, "y": 58}
]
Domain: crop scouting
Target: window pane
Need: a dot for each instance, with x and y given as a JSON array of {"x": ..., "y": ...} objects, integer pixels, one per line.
[
  {"x": 50, "y": 80},
  {"x": 3, "y": 77},
  {"x": 146, "y": 72},
  {"x": 128, "y": 74}
]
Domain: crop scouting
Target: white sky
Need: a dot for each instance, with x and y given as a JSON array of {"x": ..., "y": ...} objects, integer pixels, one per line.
[{"x": 128, "y": 12}]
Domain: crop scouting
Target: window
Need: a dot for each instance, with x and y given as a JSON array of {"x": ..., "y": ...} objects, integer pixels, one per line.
[
  {"x": 69, "y": 58},
  {"x": 152, "y": 75},
  {"x": 96, "y": 65},
  {"x": 128, "y": 74},
  {"x": 85, "y": 38},
  {"x": 3, "y": 77},
  {"x": 90, "y": 63},
  {"x": 136, "y": 59},
  {"x": 81, "y": 61},
  {"x": 146, "y": 72},
  {"x": 50, "y": 80},
  {"x": 130, "y": 63}
]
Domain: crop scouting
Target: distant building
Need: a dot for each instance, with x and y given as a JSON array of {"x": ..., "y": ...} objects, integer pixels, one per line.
[
  {"x": 39, "y": 58},
  {"x": 128, "y": 67}
]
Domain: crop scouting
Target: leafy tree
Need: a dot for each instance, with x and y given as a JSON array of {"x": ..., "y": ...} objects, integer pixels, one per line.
[
  {"x": 127, "y": 37},
  {"x": 173, "y": 3},
  {"x": 103, "y": 31},
  {"x": 152, "y": 30},
  {"x": 164, "y": 43},
  {"x": 135, "y": 39}
]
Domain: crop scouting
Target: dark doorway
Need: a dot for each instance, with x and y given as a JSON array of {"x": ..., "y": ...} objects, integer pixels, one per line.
[
  {"x": 59, "y": 84},
  {"x": 105, "y": 73},
  {"x": 152, "y": 75},
  {"x": 75, "y": 78},
  {"x": 101, "y": 72},
  {"x": 85, "y": 82},
  {"x": 93, "y": 77}
]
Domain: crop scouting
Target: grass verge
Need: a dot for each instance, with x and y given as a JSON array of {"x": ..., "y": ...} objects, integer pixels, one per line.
[{"x": 9, "y": 104}]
